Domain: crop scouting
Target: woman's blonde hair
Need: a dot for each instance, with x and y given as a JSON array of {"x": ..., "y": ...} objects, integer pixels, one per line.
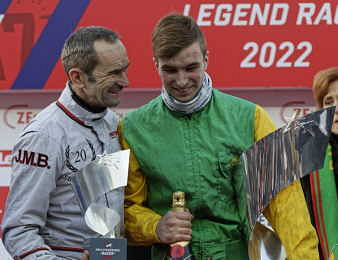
[{"x": 321, "y": 83}]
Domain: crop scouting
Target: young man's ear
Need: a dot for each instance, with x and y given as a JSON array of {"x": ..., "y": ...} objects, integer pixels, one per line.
[
  {"x": 76, "y": 76},
  {"x": 155, "y": 62},
  {"x": 206, "y": 60}
]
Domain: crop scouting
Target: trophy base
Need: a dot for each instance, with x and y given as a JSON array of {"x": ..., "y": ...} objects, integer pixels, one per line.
[{"x": 107, "y": 248}]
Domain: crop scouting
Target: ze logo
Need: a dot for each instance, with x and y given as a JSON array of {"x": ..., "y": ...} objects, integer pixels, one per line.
[
  {"x": 19, "y": 115},
  {"x": 32, "y": 158}
]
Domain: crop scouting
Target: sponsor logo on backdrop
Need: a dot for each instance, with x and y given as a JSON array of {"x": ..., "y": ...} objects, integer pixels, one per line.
[
  {"x": 5, "y": 158},
  {"x": 294, "y": 109},
  {"x": 3, "y": 196},
  {"x": 17, "y": 116}
]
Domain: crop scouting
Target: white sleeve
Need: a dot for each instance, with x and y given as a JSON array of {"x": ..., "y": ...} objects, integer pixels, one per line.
[{"x": 36, "y": 161}]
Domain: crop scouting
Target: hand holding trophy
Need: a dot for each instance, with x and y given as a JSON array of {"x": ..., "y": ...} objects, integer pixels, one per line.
[{"x": 104, "y": 177}]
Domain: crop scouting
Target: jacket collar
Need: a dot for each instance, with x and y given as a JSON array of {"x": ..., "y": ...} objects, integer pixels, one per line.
[{"x": 70, "y": 106}]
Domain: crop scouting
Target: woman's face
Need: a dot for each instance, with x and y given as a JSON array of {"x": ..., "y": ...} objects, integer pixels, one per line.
[{"x": 331, "y": 99}]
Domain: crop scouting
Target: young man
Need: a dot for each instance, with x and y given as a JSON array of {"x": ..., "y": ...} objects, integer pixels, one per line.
[
  {"x": 43, "y": 218},
  {"x": 189, "y": 139}
]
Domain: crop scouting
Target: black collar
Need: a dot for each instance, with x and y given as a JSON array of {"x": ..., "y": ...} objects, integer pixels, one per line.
[{"x": 83, "y": 104}]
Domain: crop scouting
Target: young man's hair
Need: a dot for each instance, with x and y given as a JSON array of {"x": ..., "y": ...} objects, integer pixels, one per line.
[
  {"x": 174, "y": 33},
  {"x": 321, "y": 83},
  {"x": 78, "y": 50}
]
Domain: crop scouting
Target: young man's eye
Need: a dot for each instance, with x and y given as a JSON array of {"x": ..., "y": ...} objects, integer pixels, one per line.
[
  {"x": 168, "y": 70},
  {"x": 193, "y": 67}
]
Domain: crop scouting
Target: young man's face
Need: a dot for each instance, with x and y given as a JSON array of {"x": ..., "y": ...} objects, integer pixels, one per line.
[
  {"x": 109, "y": 76},
  {"x": 182, "y": 74}
]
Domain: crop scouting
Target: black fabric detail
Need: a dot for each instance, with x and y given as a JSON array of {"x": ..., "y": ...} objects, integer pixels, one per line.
[
  {"x": 334, "y": 144},
  {"x": 83, "y": 104}
]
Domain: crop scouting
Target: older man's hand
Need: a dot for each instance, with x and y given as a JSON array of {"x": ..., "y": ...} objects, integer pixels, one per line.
[{"x": 85, "y": 255}]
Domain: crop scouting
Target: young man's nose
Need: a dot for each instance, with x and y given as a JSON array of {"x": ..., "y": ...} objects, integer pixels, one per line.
[{"x": 181, "y": 78}]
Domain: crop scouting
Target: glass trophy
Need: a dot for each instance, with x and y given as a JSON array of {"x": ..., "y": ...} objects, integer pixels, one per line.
[
  {"x": 273, "y": 163},
  {"x": 99, "y": 188}
]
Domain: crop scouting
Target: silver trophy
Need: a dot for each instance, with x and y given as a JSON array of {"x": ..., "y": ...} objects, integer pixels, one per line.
[
  {"x": 99, "y": 188},
  {"x": 275, "y": 162}
]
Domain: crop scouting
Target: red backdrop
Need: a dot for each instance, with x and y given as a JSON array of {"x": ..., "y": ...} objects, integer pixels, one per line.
[{"x": 251, "y": 44}]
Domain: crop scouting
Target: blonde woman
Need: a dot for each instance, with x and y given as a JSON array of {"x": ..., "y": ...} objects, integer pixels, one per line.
[{"x": 321, "y": 187}]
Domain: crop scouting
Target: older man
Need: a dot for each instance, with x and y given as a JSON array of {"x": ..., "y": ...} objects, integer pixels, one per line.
[{"x": 42, "y": 218}]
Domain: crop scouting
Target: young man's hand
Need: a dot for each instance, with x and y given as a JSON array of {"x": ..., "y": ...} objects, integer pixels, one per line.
[{"x": 174, "y": 227}]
